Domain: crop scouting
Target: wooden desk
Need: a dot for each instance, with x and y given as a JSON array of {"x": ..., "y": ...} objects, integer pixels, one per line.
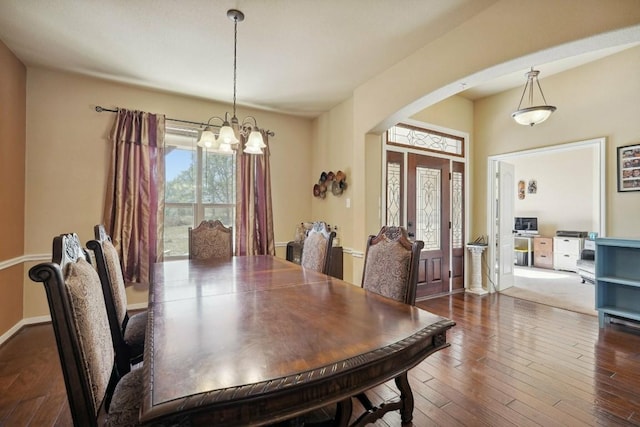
[{"x": 254, "y": 340}]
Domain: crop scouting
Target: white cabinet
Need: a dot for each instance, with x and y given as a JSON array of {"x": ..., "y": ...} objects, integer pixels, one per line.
[{"x": 566, "y": 252}]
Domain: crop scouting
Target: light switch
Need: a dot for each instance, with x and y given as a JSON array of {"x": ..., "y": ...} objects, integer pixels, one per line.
[{"x": 348, "y": 202}]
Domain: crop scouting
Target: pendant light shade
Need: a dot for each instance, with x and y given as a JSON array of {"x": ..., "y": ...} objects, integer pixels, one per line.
[
  {"x": 532, "y": 115},
  {"x": 208, "y": 139},
  {"x": 227, "y": 135}
]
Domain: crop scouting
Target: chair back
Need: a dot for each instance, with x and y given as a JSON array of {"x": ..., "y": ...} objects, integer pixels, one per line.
[
  {"x": 316, "y": 252},
  {"x": 210, "y": 239},
  {"x": 391, "y": 264},
  {"x": 79, "y": 319},
  {"x": 109, "y": 271}
]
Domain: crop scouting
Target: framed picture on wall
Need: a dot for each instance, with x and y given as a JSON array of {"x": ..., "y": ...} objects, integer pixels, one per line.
[{"x": 629, "y": 168}]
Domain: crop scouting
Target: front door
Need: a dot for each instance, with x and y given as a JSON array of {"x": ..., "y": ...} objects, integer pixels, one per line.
[{"x": 429, "y": 218}]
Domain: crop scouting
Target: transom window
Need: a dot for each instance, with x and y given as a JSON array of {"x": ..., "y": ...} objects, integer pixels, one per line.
[
  {"x": 425, "y": 139},
  {"x": 199, "y": 185}
]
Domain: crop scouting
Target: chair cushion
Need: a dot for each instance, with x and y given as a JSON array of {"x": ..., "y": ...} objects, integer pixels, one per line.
[
  {"x": 387, "y": 269},
  {"x": 314, "y": 252},
  {"x": 134, "y": 333},
  {"x": 124, "y": 409},
  {"x": 210, "y": 243},
  {"x": 112, "y": 259},
  {"x": 90, "y": 319}
]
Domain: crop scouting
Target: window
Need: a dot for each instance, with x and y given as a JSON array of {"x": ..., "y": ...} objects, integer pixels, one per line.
[
  {"x": 199, "y": 185},
  {"x": 425, "y": 139}
]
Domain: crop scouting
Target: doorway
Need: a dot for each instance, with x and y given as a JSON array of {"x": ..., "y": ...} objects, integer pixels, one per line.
[
  {"x": 425, "y": 193},
  {"x": 496, "y": 209}
]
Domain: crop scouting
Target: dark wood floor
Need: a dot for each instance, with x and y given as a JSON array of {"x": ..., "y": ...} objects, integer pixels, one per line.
[{"x": 511, "y": 363}]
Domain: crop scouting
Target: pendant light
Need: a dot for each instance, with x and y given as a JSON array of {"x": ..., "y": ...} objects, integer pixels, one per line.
[{"x": 532, "y": 115}]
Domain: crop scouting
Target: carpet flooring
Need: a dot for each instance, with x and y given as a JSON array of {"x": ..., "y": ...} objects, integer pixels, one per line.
[{"x": 555, "y": 288}]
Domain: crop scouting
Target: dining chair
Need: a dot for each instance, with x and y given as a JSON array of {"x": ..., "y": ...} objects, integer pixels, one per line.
[
  {"x": 316, "y": 252},
  {"x": 391, "y": 264},
  {"x": 390, "y": 270},
  {"x": 97, "y": 393},
  {"x": 127, "y": 332},
  {"x": 210, "y": 239}
]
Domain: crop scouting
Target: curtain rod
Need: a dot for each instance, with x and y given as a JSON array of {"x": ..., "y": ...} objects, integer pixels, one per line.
[{"x": 100, "y": 109}]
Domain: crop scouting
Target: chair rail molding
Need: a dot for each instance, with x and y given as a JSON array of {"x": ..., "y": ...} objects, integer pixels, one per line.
[{"x": 24, "y": 258}]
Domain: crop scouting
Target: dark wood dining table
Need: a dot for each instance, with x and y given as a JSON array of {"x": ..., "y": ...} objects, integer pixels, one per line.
[{"x": 255, "y": 340}]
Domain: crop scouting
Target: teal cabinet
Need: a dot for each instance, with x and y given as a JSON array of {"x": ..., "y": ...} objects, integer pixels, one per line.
[{"x": 617, "y": 279}]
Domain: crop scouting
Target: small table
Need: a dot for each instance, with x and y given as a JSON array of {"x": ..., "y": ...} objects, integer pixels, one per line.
[
  {"x": 529, "y": 239},
  {"x": 256, "y": 340}
]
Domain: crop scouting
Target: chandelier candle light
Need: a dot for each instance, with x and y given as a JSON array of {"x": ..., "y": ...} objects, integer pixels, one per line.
[
  {"x": 227, "y": 139},
  {"x": 532, "y": 115}
]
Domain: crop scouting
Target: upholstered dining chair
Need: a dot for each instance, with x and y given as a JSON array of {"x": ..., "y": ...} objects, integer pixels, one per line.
[
  {"x": 210, "y": 239},
  {"x": 390, "y": 270},
  {"x": 96, "y": 392},
  {"x": 391, "y": 264},
  {"x": 316, "y": 252},
  {"x": 127, "y": 331}
]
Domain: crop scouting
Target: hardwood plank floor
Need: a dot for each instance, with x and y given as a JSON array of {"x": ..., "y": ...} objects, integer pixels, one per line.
[{"x": 511, "y": 363}]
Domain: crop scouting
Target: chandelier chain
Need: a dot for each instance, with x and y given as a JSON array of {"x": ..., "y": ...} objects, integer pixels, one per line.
[{"x": 235, "y": 56}]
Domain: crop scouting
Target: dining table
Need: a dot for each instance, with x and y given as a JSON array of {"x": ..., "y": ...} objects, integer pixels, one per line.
[{"x": 255, "y": 340}]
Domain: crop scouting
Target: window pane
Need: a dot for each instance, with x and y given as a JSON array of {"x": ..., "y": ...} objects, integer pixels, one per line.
[
  {"x": 200, "y": 185},
  {"x": 180, "y": 172},
  {"x": 225, "y": 214},
  {"x": 218, "y": 178},
  {"x": 427, "y": 139},
  {"x": 177, "y": 220}
]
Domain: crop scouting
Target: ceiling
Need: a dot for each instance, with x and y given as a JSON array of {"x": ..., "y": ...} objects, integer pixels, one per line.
[{"x": 300, "y": 57}]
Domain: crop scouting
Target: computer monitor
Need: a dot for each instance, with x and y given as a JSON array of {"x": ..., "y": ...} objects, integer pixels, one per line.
[{"x": 526, "y": 225}]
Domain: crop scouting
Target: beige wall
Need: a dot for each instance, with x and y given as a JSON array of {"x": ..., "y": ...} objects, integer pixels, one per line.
[
  {"x": 566, "y": 196},
  {"x": 495, "y": 42},
  {"x": 330, "y": 152},
  {"x": 595, "y": 100},
  {"x": 13, "y": 79},
  {"x": 67, "y": 157}
]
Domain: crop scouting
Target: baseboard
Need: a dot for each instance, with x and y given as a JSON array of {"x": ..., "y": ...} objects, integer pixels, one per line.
[
  {"x": 47, "y": 319},
  {"x": 24, "y": 322},
  {"x": 139, "y": 306}
]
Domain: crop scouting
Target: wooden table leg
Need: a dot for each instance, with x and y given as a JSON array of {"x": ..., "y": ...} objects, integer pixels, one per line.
[
  {"x": 406, "y": 397},
  {"x": 404, "y": 405}
]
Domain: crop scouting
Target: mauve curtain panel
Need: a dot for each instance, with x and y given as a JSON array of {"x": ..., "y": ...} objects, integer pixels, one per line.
[
  {"x": 254, "y": 214},
  {"x": 134, "y": 205}
]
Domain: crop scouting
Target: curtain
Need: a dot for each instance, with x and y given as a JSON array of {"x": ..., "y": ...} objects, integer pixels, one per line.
[
  {"x": 134, "y": 205},
  {"x": 254, "y": 215}
]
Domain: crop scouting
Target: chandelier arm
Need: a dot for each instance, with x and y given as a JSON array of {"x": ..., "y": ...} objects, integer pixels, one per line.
[{"x": 214, "y": 117}]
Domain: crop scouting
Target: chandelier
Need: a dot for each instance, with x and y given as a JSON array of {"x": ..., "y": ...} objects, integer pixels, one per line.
[
  {"x": 532, "y": 115},
  {"x": 227, "y": 140}
]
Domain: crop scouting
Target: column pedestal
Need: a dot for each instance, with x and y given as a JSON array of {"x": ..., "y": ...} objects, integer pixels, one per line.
[{"x": 475, "y": 285}]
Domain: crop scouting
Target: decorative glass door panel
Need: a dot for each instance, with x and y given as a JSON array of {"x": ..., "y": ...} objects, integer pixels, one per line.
[
  {"x": 395, "y": 193},
  {"x": 428, "y": 207},
  {"x": 457, "y": 226},
  {"x": 428, "y": 213}
]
